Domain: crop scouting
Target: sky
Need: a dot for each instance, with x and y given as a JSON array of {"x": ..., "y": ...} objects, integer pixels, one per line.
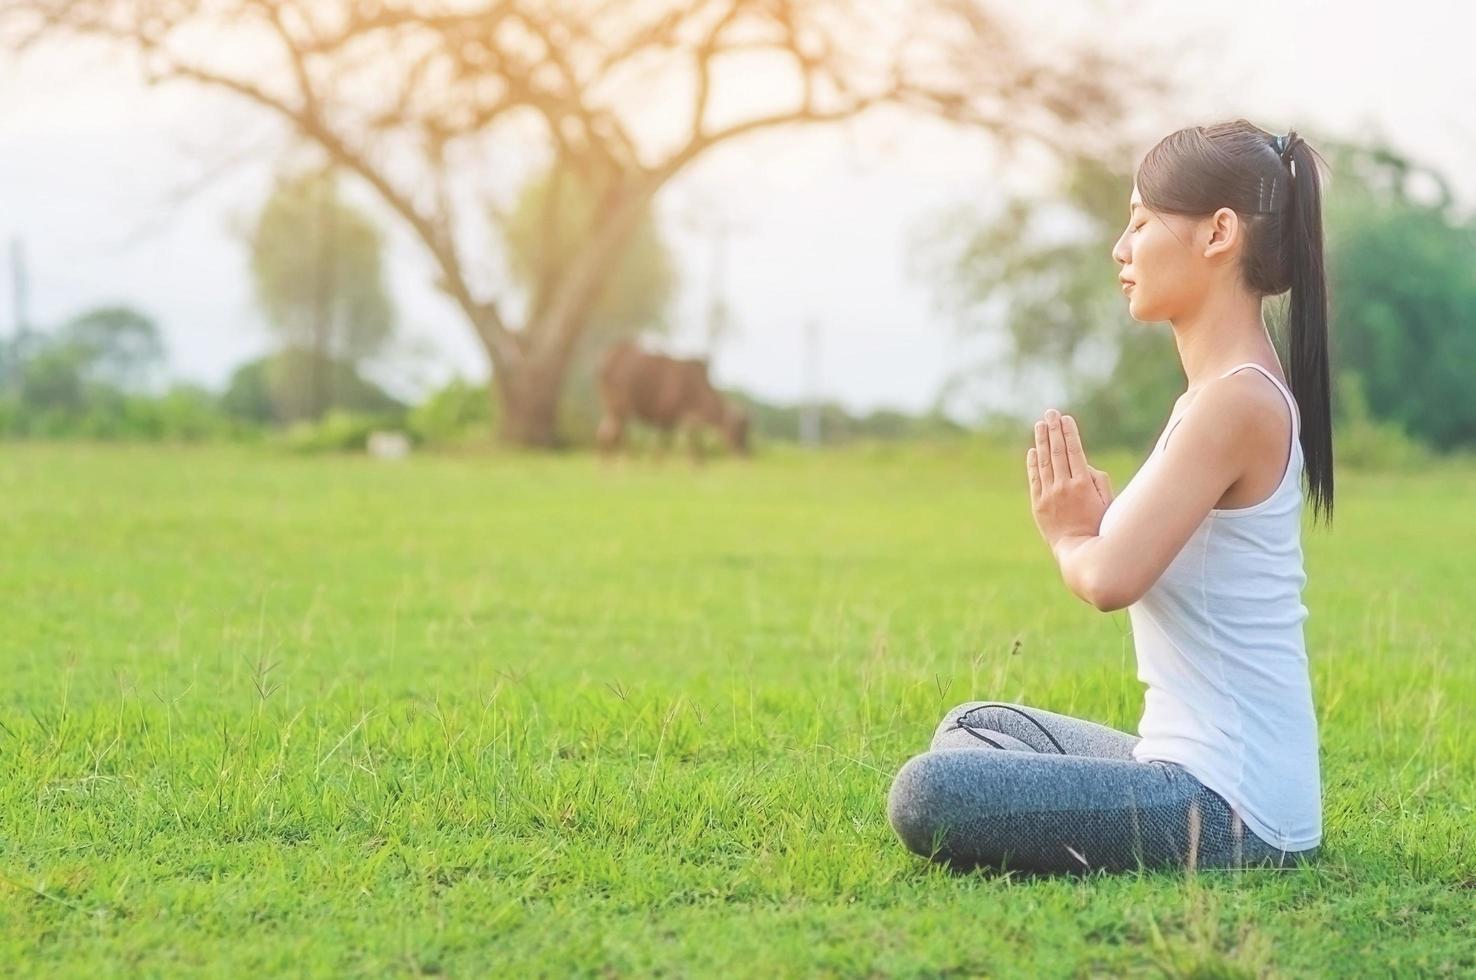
[{"x": 821, "y": 224}]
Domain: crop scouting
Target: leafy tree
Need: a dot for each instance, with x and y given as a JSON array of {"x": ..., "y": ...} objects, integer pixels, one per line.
[
  {"x": 1403, "y": 299},
  {"x": 55, "y": 380},
  {"x": 1039, "y": 275},
  {"x": 52, "y": 380},
  {"x": 317, "y": 264},
  {"x": 116, "y": 346}
]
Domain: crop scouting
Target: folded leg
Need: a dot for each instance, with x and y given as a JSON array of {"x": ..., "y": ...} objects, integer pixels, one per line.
[{"x": 1065, "y": 813}]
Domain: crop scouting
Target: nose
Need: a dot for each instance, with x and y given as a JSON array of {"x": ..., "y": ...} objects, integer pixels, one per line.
[{"x": 1119, "y": 253}]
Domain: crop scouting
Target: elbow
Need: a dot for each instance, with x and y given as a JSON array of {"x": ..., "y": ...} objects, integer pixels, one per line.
[
  {"x": 1108, "y": 594},
  {"x": 1102, "y": 578}
]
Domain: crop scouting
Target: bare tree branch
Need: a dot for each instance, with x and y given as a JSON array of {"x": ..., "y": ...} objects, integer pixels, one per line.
[
  {"x": 703, "y": 56},
  {"x": 432, "y": 230}
]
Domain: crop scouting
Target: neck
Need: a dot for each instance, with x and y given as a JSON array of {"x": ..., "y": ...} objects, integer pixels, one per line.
[{"x": 1225, "y": 330}]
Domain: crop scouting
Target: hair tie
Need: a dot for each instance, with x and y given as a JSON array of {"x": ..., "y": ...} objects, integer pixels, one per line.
[{"x": 1284, "y": 145}]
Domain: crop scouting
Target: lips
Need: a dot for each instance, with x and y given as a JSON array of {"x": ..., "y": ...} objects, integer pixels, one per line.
[{"x": 1126, "y": 284}]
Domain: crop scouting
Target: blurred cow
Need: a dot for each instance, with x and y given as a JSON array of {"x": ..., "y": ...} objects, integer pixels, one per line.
[{"x": 667, "y": 393}]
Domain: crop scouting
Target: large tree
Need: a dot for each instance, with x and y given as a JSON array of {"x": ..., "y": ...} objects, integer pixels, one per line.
[{"x": 404, "y": 95}]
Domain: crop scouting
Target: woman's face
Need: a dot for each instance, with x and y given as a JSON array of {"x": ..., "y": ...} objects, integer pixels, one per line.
[{"x": 1164, "y": 274}]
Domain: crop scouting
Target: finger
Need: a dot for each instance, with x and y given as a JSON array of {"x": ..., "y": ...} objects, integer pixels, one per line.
[
  {"x": 1043, "y": 454},
  {"x": 1075, "y": 455},
  {"x": 1060, "y": 467},
  {"x": 1032, "y": 472},
  {"x": 1099, "y": 480}
]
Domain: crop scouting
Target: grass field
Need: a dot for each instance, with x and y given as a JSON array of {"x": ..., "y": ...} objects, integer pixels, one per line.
[{"x": 527, "y": 716}]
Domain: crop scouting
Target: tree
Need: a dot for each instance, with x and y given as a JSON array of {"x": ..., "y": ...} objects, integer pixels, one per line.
[
  {"x": 116, "y": 346},
  {"x": 317, "y": 266},
  {"x": 1403, "y": 300},
  {"x": 81, "y": 373},
  {"x": 1039, "y": 274},
  {"x": 398, "y": 93}
]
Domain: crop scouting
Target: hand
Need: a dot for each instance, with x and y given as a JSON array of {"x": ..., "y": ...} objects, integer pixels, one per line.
[{"x": 1067, "y": 496}]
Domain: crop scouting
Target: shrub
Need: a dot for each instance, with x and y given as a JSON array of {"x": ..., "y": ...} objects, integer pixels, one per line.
[
  {"x": 338, "y": 431},
  {"x": 458, "y": 413}
]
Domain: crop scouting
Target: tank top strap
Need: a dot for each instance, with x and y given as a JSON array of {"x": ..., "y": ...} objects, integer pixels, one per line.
[{"x": 1290, "y": 401}]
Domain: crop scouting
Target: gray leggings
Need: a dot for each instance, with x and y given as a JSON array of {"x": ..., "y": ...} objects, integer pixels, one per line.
[{"x": 1019, "y": 788}]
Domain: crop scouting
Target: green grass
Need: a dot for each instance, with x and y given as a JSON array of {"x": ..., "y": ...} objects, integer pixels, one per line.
[{"x": 528, "y": 716}]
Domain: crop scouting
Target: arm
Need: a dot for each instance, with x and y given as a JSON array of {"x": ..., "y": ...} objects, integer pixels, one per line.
[
  {"x": 1080, "y": 568},
  {"x": 1204, "y": 457}
]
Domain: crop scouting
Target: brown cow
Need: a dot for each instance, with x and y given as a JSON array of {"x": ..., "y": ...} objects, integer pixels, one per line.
[{"x": 664, "y": 392}]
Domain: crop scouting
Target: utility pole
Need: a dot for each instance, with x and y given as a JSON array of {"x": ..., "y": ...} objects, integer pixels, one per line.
[
  {"x": 325, "y": 199},
  {"x": 718, "y": 319},
  {"x": 19, "y": 293},
  {"x": 13, "y": 354},
  {"x": 810, "y": 414},
  {"x": 708, "y": 217}
]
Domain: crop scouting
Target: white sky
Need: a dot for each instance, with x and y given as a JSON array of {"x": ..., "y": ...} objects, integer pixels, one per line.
[{"x": 822, "y": 221}]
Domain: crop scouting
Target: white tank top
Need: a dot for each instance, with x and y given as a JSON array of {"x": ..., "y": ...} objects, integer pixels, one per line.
[{"x": 1219, "y": 644}]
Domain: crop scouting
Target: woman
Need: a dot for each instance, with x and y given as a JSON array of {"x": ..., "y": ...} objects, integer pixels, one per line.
[{"x": 1202, "y": 548}]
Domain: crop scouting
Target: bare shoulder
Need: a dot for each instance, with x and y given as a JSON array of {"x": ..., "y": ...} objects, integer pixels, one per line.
[
  {"x": 1263, "y": 408},
  {"x": 1242, "y": 414},
  {"x": 1247, "y": 396}
]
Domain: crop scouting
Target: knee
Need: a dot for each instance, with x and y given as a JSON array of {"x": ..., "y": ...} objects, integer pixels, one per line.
[
  {"x": 978, "y": 710},
  {"x": 917, "y": 805},
  {"x": 980, "y": 714},
  {"x": 952, "y": 715},
  {"x": 964, "y": 708}
]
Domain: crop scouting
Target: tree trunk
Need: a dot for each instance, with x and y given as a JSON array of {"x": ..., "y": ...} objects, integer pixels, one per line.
[{"x": 528, "y": 400}]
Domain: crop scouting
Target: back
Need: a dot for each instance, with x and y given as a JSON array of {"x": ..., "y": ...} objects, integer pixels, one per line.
[{"x": 1220, "y": 645}]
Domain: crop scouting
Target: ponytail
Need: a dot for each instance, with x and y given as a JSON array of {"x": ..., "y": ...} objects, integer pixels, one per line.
[{"x": 1307, "y": 327}]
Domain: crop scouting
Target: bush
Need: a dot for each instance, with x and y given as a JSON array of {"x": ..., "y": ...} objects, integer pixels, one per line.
[
  {"x": 280, "y": 389},
  {"x": 338, "y": 431},
  {"x": 460, "y": 412},
  {"x": 1364, "y": 442},
  {"x": 186, "y": 413}
]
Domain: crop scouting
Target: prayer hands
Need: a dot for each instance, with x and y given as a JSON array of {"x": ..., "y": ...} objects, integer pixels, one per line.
[{"x": 1067, "y": 496}]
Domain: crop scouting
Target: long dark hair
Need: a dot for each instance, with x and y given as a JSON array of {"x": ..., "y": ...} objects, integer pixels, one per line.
[{"x": 1273, "y": 184}]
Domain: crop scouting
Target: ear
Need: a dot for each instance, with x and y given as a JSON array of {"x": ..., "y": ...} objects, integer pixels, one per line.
[{"x": 1224, "y": 233}]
